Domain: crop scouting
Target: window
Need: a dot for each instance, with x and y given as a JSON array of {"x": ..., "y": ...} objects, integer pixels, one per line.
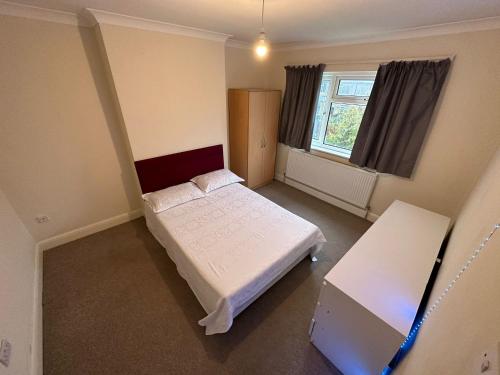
[{"x": 341, "y": 105}]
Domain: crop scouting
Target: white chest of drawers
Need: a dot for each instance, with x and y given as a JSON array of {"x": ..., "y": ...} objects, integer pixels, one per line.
[{"x": 369, "y": 300}]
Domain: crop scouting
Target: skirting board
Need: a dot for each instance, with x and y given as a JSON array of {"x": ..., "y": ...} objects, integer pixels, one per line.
[
  {"x": 372, "y": 217},
  {"x": 87, "y": 230},
  {"x": 327, "y": 198},
  {"x": 279, "y": 177}
]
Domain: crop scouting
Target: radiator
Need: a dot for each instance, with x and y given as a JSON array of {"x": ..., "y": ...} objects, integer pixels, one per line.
[{"x": 345, "y": 186}]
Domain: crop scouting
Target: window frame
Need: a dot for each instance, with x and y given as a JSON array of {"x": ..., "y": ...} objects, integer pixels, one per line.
[{"x": 333, "y": 97}]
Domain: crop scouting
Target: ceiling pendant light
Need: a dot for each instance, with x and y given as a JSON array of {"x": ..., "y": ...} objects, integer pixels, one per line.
[{"x": 262, "y": 46}]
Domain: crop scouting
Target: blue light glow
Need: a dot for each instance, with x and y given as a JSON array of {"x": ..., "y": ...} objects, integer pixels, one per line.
[{"x": 412, "y": 336}]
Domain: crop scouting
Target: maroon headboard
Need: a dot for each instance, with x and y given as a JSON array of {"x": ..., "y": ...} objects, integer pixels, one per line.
[{"x": 174, "y": 169}]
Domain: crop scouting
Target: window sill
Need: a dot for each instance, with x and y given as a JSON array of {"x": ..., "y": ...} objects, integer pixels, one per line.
[
  {"x": 330, "y": 156},
  {"x": 341, "y": 157}
]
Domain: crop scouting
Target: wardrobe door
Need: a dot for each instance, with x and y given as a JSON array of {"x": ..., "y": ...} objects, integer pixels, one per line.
[
  {"x": 256, "y": 126},
  {"x": 273, "y": 101}
]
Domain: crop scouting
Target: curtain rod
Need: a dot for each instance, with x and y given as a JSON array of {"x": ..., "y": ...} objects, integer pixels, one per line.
[{"x": 386, "y": 61}]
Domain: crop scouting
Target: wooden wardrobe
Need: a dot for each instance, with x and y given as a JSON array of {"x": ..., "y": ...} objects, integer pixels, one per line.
[{"x": 253, "y": 134}]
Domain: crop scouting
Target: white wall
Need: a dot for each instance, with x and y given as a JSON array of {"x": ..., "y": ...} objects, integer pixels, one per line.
[
  {"x": 62, "y": 151},
  {"x": 467, "y": 321},
  {"x": 17, "y": 272},
  {"x": 464, "y": 132},
  {"x": 171, "y": 89},
  {"x": 244, "y": 71}
]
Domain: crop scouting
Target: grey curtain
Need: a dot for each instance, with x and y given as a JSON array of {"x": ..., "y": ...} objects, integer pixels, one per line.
[
  {"x": 299, "y": 105},
  {"x": 398, "y": 114}
]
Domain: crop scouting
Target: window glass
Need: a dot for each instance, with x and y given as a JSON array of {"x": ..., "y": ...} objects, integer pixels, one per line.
[
  {"x": 343, "y": 124},
  {"x": 354, "y": 87},
  {"x": 322, "y": 106},
  {"x": 341, "y": 104}
]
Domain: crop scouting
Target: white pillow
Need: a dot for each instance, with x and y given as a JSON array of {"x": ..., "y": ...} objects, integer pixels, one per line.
[
  {"x": 216, "y": 179},
  {"x": 162, "y": 200}
]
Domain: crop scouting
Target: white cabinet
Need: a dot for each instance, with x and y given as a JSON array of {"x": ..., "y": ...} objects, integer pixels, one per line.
[{"x": 369, "y": 300}]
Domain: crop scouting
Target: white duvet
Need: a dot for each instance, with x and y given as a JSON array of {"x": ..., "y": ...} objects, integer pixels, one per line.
[{"x": 231, "y": 246}]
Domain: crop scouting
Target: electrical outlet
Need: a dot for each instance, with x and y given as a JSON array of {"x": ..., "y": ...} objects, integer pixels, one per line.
[
  {"x": 40, "y": 219},
  {"x": 5, "y": 351}
]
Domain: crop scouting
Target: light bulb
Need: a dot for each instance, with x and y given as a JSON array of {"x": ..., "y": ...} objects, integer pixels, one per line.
[
  {"x": 261, "y": 50},
  {"x": 261, "y": 46}
]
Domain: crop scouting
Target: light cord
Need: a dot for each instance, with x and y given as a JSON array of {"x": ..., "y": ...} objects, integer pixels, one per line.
[
  {"x": 436, "y": 304},
  {"x": 262, "y": 16}
]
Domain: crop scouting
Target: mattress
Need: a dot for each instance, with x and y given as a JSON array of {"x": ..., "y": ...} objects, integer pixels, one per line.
[{"x": 230, "y": 246}]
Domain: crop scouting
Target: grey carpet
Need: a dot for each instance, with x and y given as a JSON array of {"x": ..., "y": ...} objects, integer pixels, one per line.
[{"x": 113, "y": 303}]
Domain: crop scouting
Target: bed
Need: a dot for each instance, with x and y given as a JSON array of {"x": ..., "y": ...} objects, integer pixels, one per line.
[{"x": 232, "y": 244}]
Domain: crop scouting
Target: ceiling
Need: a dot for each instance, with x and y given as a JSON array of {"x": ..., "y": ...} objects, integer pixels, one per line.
[{"x": 288, "y": 21}]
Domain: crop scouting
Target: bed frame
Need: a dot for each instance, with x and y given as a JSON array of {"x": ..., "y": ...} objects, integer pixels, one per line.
[
  {"x": 164, "y": 171},
  {"x": 174, "y": 169}
]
